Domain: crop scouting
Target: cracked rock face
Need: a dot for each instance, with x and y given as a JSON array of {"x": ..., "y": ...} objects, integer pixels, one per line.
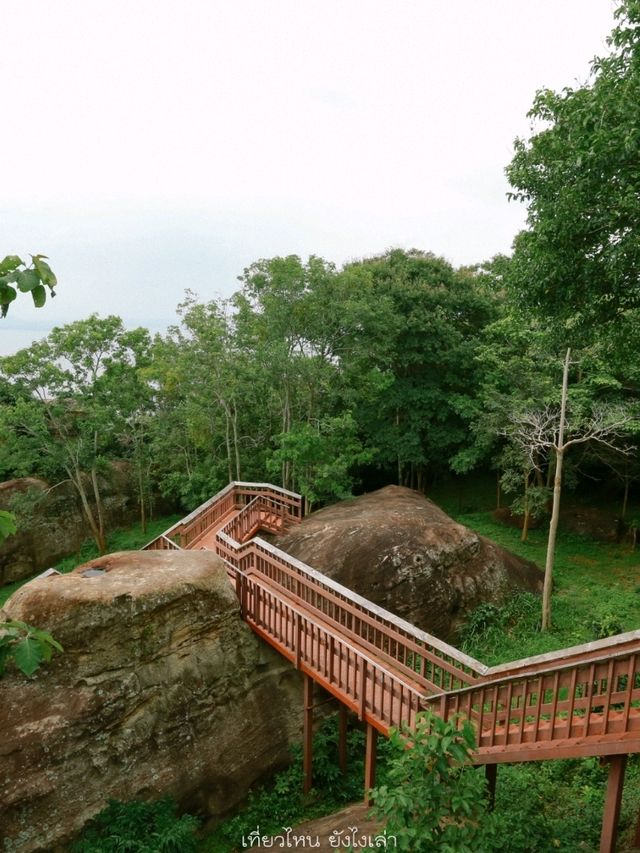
[
  {"x": 401, "y": 551},
  {"x": 161, "y": 690}
]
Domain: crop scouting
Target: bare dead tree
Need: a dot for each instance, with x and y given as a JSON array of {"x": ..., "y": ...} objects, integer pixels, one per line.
[{"x": 549, "y": 430}]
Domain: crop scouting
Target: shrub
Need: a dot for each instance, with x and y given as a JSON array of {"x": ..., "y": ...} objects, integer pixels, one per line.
[
  {"x": 432, "y": 798},
  {"x": 606, "y": 623},
  {"x": 138, "y": 827}
]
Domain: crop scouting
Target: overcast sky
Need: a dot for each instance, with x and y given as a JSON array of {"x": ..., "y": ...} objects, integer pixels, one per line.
[{"x": 148, "y": 147}]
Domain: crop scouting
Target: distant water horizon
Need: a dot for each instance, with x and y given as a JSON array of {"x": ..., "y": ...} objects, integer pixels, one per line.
[
  {"x": 12, "y": 340},
  {"x": 16, "y": 334}
]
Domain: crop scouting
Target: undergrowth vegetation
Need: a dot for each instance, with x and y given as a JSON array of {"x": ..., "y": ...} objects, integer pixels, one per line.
[
  {"x": 139, "y": 827},
  {"x": 596, "y": 594},
  {"x": 283, "y": 803}
]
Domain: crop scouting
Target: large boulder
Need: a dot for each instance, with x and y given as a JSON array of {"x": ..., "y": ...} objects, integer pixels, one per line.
[
  {"x": 161, "y": 690},
  {"x": 401, "y": 551}
]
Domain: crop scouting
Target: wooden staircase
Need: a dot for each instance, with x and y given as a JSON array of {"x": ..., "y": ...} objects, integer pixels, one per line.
[{"x": 579, "y": 701}]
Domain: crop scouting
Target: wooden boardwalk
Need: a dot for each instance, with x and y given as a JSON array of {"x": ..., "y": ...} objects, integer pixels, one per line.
[{"x": 580, "y": 701}]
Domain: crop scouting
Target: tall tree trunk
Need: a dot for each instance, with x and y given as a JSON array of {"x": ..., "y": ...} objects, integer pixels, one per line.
[
  {"x": 498, "y": 490},
  {"x": 398, "y": 453},
  {"x": 527, "y": 514},
  {"x": 286, "y": 427},
  {"x": 236, "y": 446},
  {"x": 141, "y": 499},
  {"x": 101, "y": 541},
  {"x": 75, "y": 475},
  {"x": 555, "y": 511},
  {"x": 625, "y": 499},
  {"x": 227, "y": 441}
]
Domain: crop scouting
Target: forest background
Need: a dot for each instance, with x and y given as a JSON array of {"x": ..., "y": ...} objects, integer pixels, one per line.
[{"x": 396, "y": 368}]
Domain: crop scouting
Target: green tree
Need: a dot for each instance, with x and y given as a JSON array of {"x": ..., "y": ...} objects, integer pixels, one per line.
[
  {"x": 31, "y": 278},
  {"x": 550, "y": 430},
  {"x": 320, "y": 457},
  {"x": 418, "y": 421},
  {"x": 579, "y": 174},
  {"x": 279, "y": 330},
  {"x": 74, "y": 399}
]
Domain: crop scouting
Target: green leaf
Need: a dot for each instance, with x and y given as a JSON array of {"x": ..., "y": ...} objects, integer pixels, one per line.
[
  {"x": 47, "y": 276},
  {"x": 46, "y": 638},
  {"x": 16, "y": 623},
  {"x": 39, "y": 295},
  {"x": 27, "y": 280},
  {"x": 7, "y": 295},
  {"x": 5, "y": 652},
  {"x": 28, "y": 655},
  {"x": 10, "y": 263}
]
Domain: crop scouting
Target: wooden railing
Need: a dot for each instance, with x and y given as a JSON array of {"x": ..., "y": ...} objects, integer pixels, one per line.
[
  {"x": 579, "y": 701},
  {"x": 553, "y": 710},
  {"x": 387, "y": 669},
  {"x": 375, "y": 692},
  {"x": 186, "y": 532},
  {"x": 429, "y": 662},
  {"x": 162, "y": 543}
]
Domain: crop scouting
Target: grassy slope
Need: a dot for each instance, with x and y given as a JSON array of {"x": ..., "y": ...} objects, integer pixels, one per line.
[
  {"x": 594, "y": 582},
  {"x": 596, "y": 587}
]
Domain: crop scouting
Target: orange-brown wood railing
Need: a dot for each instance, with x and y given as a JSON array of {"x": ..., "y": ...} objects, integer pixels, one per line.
[
  {"x": 575, "y": 702},
  {"x": 583, "y": 700},
  {"x": 587, "y": 707},
  {"x": 424, "y": 659},
  {"x": 374, "y": 692}
]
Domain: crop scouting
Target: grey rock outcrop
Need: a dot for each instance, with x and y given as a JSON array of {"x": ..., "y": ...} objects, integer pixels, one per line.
[
  {"x": 161, "y": 690},
  {"x": 401, "y": 551}
]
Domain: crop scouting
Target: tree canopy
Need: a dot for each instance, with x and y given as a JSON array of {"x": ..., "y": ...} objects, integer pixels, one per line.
[{"x": 579, "y": 174}]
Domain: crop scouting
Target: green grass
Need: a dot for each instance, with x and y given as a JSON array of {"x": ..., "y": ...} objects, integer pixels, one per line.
[
  {"x": 127, "y": 539},
  {"x": 557, "y": 805},
  {"x": 596, "y": 592}
]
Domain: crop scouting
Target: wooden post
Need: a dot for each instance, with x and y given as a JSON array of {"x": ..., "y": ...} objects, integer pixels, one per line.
[
  {"x": 615, "y": 782},
  {"x": 298, "y": 640},
  {"x": 370, "y": 762},
  {"x": 307, "y": 736},
  {"x": 342, "y": 738},
  {"x": 491, "y": 771}
]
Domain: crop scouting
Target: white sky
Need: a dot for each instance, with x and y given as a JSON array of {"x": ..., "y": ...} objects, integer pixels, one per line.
[{"x": 149, "y": 146}]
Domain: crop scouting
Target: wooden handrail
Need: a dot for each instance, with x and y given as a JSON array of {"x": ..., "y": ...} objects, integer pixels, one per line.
[
  {"x": 194, "y": 525},
  {"x": 563, "y": 704},
  {"x": 579, "y": 700},
  {"x": 538, "y": 662},
  {"x": 334, "y": 662},
  {"x": 426, "y": 659}
]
